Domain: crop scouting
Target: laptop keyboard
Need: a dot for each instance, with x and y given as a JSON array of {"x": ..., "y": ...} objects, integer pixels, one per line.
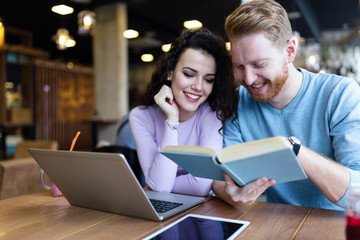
[{"x": 162, "y": 206}]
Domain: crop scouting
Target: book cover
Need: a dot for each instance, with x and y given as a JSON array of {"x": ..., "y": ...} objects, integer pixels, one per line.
[{"x": 244, "y": 162}]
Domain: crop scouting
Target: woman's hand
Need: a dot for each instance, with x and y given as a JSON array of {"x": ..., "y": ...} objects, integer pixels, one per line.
[{"x": 165, "y": 100}]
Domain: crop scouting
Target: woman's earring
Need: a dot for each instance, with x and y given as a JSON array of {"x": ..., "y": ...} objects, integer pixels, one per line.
[{"x": 168, "y": 78}]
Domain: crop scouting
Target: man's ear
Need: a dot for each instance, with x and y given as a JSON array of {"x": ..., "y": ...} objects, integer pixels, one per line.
[{"x": 290, "y": 50}]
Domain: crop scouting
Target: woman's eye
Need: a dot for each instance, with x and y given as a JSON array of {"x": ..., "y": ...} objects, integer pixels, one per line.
[
  {"x": 209, "y": 80},
  {"x": 188, "y": 74}
]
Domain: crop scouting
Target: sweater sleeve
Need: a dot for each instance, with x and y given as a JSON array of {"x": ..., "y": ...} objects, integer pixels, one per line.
[
  {"x": 159, "y": 171},
  {"x": 345, "y": 129}
]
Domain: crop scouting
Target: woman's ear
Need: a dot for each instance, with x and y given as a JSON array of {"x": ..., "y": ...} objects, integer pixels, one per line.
[{"x": 169, "y": 77}]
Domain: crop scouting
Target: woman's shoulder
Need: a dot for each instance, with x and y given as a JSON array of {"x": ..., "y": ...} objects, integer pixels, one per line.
[
  {"x": 144, "y": 110},
  {"x": 145, "y": 113}
]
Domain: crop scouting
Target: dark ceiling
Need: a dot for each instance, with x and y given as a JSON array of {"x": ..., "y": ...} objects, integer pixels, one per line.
[{"x": 164, "y": 19}]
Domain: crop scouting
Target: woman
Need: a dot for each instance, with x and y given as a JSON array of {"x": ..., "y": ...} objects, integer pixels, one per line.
[{"x": 191, "y": 94}]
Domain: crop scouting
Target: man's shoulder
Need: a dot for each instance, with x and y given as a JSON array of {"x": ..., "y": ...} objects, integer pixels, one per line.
[
  {"x": 328, "y": 79},
  {"x": 328, "y": 83}
]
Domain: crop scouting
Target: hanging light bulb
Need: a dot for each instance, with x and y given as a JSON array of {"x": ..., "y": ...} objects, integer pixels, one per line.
[
  {"x": 130, "y": 33},
  {"x": 313, "y": 61},
  {"x": 166, "y": 47},
  {"x": 63, "y": 40},
  {"x": 192, "y": 24},
  {"x": 86, "y": 22},
  {"x": 147, "y": 57},
  {"x": 62, "y": 9},
  {"x": 2, "y": 33},
  {"x": 245, "y": 1}
]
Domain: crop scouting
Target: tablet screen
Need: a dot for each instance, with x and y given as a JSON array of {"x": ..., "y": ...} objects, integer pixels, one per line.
[{"x": 194, "y": 227}]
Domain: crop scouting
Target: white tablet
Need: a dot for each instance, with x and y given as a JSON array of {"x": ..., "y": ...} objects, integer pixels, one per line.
[{"x": 193, "y": 227}]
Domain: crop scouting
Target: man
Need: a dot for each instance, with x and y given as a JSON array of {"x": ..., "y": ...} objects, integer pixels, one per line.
[{"x": 276, "y": 99}]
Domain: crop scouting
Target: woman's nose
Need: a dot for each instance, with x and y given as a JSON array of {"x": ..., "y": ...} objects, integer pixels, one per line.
[{"x": 197, "y": 84}]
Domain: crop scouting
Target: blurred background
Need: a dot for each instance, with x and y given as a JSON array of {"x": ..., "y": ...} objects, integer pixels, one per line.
[{"x": 53, "y": 85}]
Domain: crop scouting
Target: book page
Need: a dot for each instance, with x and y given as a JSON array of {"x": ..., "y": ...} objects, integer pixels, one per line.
[
  {"x": 250, "y": 149},
  {"x": 189, "y": 149}
]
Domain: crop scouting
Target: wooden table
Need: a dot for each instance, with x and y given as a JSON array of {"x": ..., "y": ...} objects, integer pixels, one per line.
[{"x": 41, "y": 216}]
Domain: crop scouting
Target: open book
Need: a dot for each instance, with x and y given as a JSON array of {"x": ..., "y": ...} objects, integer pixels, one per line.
[{"x": 243, "y": 162}]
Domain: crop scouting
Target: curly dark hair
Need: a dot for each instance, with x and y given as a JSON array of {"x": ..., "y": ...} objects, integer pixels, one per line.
[{"x": 224, "y": 96}]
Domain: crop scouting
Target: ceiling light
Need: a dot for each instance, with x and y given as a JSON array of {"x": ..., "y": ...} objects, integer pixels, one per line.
[
  {"x": 294, "y": 15},
  {"x": 63, "y": 40},
  {"x": 86, "y": 22},
  {"x": 130, "y": 34},
  {"x": 166, "y": 47},
  {"x": 70, "y": 65},
  {"x": 2, "y": 34},
  {"x": 62, "y": 9},
  {"x": 245, "y": 1},
  {"x": 192, "y": 24},
  {"x": 70, "y": 42},
  {"x": 312, "y": 59},
  {"x": 322, "y": 70},
  {"x": 147, "y": 57}
]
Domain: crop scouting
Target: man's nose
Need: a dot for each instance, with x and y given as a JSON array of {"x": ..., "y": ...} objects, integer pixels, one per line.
[{"x": 249, "y": 76}]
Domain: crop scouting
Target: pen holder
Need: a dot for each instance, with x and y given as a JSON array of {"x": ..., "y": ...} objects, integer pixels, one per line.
[{"x": 54, "y": 190}]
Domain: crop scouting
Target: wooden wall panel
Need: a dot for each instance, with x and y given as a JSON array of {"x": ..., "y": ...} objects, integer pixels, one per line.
[{"x": 64, "y": 104}]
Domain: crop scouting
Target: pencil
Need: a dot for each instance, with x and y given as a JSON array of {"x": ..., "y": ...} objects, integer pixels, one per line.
[{"x": 74, "y": 140}]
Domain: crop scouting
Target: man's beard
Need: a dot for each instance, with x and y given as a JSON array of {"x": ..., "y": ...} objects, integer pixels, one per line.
[{"x": 273, "y": 87}]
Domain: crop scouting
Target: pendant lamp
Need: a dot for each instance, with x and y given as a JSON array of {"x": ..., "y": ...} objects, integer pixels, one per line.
[{"x": 86, "y": 22}]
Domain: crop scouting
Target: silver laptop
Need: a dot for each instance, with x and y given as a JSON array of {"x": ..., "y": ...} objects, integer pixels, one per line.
[{"x": 105, "y": 181}]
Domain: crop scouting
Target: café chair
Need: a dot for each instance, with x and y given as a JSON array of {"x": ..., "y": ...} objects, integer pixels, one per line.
[
  {"x": 21, "y": 150},
  {"x": 21, "y": 175}
]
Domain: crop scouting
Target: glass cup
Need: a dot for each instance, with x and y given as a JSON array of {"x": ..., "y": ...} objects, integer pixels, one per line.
[
  {"x": 54, "y": 190},
  {"x": 352, "y": 213}
]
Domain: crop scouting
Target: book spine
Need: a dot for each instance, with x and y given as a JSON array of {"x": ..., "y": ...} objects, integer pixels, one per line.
[{"x": 238, "y": 181}]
